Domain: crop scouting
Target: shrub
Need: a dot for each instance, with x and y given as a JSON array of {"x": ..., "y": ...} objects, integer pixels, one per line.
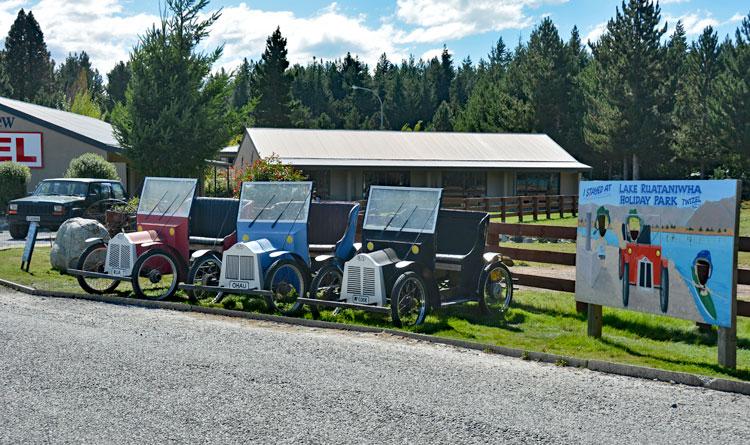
[
  {"x": 14, "y": 178},
  {"x": 267, "y": 169},
  {"x": 91, "y": 165},
  {"x": 129, "y": 207}
]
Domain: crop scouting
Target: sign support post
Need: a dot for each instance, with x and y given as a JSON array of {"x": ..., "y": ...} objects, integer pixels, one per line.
[
  {"x": 28, "y": 249},
  {"x": 727, "y": 338},
  {"x": 594, "y": 327}
]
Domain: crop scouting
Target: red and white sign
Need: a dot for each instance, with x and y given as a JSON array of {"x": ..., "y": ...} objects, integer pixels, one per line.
[{"x": 24, "y": 148}]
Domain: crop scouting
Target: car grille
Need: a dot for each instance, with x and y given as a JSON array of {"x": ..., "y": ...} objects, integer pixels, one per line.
[
  {"x": 361, "y": 281},
  {"x": 240, "y": 267},
  {"x": 119, "y": 256},
  {"x": 35, "y": 208}
]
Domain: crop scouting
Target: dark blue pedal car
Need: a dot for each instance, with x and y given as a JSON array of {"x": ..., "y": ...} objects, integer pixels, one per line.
[{"x": 415, "y": 257}]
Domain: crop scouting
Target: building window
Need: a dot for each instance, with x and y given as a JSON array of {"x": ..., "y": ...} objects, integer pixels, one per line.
[
  {"x": 395, "y": 178},
  {"x": 321, "y": 182},
  {"x": 465, "y": 184},
  {"x": 529, "y": 184}
]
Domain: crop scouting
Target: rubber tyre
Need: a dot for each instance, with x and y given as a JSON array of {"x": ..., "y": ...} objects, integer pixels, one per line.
[
  {"x": 296, "y": 307},
  {"x": 195, "y": 268},
  {"x": 398, "y": 316},
  {"x": 18, "y": 231},
  {"x": 175, "y": 265},
  {"x": 82, "y": 263},
  {"x": 507, "y": 279},
  {"x": 625, "y": 284},
  {"x": 316, "y": 282},
  {"x": 664, "y": 290}
]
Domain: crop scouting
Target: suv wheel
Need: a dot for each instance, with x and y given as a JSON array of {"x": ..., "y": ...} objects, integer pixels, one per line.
[{"x": 18, "y": 231}]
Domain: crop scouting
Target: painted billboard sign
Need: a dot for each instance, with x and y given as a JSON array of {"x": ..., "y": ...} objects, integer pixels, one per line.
[
  {"x": 663, "y": 247},
  {"x": 24, "y": 148}
]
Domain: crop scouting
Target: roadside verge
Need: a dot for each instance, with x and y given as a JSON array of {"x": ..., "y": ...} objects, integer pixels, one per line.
[{"x": 715, "y": 383}]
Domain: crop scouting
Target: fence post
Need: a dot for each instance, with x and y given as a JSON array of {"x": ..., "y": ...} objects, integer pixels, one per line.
[
  {"x": 502, "y": 208},
  {"x": 561, "y": 205},
  {"x": 574, "y": 210},
  {"x": 548, "y": 207},
  {"x": 594, "y": 320},
  {"x": 520, "y": 209},
  {"x": 535, "y": 207}
]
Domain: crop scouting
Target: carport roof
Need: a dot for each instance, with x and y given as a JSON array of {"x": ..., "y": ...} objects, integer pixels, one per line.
[
  {"x": 86, "y": 129},
  {"x": 360, "y": 148}
]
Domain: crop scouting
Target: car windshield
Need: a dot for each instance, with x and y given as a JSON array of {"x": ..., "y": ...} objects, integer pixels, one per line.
[
  {"x": 408, "y": 209},
  {"x": 61, "y": 188},
  {"x": 271, "y": 201},
  {"x": 167, "y": 197}
]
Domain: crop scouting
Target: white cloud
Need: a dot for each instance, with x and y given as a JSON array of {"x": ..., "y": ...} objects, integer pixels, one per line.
[
  {"x": 694, "y": 22},
  {"x": 595, "y": 32},
  {"x": 434, "y": 52},
  {"x": 737, "y": 17},
  {"x": 102, "y": 28},
  {"x": 441, "y": 20},
  {"x": 327, "y": 34}
]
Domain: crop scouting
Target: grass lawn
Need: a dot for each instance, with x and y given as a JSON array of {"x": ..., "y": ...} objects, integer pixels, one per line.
[{"x": 538, "y": 321}]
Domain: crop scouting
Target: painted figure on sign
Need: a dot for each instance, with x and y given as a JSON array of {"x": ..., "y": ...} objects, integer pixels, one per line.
[
  {"x": 702, "y": 270},
  {"x": 641, "y": 263},
  {"x": 601, "y": 224}
]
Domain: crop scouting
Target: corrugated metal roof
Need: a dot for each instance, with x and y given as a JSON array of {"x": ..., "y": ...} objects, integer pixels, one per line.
[
  {"x": 416, "y": 149},
  {"x": 88, "y": 129}
]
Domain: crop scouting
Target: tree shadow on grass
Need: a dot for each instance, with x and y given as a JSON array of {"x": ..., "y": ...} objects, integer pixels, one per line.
[
  {"x": 737, "y": 373},
  {"x": 666, "y": 333},
  {"x": 549, "y": 311}
]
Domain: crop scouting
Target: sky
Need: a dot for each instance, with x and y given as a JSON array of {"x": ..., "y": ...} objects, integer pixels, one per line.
[{"x": 108, "y": 29}]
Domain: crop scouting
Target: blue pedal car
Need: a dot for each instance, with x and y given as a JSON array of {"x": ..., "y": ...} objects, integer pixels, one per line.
[{"x": 271, "y": 258}]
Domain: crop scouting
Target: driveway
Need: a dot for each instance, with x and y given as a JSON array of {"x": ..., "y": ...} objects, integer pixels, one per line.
[{"x": 79, "y": 371}]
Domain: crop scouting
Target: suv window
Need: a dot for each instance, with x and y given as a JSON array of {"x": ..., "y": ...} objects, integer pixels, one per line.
[
  {"x": 95, "y": 191},
  {"x": 117, "y": 191},
  {"x": 106, "y": 192}
]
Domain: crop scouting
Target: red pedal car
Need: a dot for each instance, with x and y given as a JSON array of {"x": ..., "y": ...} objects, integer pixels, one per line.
[{"x": 641, "y": 263}]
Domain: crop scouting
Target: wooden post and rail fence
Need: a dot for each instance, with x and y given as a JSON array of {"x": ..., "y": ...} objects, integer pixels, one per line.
[
  {"x": 568, "y": 259},
  {"x": 534, "y": 207}
]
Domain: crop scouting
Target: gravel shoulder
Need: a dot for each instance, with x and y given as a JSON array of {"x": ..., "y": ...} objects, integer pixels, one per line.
[{"x": 80, "y": 371}]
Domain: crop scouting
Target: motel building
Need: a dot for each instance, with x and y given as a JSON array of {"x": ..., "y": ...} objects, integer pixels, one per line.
[
  {"x": 46, "y": 140},
  {"x": 344, "y": 163}
]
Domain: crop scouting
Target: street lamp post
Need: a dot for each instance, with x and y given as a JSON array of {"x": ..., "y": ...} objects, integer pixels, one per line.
[{"x": 375, "y": 93}]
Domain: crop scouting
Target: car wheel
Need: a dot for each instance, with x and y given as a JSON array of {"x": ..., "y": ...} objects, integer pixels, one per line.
[
  {"x": 156, "y": 274},
  {"x": 287, "y": 281},
  {"x": 18, "y": 231},
  {"x": 664, "y": 290},
  {"x": 205, "y": 271},
  {"x": 625, "y": 284},
  {"x": 409, "y": 300},
  {"x": 496, "y": 288},
  {"x": 326, "y": 286},
  {"x": 93, "y": 259}
]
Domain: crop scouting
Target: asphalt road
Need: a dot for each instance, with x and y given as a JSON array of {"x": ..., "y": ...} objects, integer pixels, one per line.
[{"x": 78, "y": 371}]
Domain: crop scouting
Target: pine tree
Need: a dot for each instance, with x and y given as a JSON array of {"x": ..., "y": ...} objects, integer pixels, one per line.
[
  {"x": 69, "y": 80},
  {"x": 445, "y": 77},
  {"x": 734, "y": 91},
  {"x": 698, "y": 112},
  {"x": 443, "y": 118},
  {"x": 274, "y": 85},
  {"x": 27, "y": 61},
  {"x": 117, "y": 83},
  {"x": 624, "y": 116},
  {"x": 463, "y": 82},
  {"x": 175, "y": 113},
  {"x": 241, "y": 91}
]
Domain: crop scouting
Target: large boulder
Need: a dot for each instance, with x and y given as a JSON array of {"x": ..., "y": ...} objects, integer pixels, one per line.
[{"x": 71, "y": 241}]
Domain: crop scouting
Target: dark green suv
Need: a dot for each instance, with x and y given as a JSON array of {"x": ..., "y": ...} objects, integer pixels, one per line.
[{"x": 56, "y": 200}]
